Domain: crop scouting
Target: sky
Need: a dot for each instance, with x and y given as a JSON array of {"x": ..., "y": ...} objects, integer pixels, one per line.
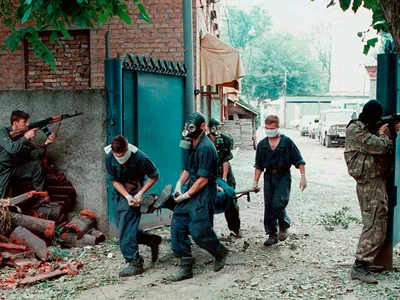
[{"x": 301, "y": 16}]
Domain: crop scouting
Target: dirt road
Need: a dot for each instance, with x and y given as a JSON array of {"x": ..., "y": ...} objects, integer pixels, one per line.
[{"x": 313, "y": 263}]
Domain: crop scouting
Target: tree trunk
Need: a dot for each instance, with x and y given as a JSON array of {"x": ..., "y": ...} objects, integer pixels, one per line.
[
  {"x": 391, "y": 11},
  {"x": 33, "y": 242},
  {"x": 38, "y": 226}
]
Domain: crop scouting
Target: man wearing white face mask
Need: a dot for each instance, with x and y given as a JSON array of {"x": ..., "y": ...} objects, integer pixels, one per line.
[
  {"x": 127, "y": 167},
  {"x": 275, "y": 155}
]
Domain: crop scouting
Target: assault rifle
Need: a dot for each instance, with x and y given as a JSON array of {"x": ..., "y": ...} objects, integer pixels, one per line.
[
  {"x": 391, "y": 120},
  {"x": 42, "y": 125}
]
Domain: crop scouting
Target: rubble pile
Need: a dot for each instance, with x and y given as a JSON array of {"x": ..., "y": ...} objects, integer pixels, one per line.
[{"x": 40, "y": 221}]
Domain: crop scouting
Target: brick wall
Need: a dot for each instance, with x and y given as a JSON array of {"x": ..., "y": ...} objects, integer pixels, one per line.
[
  {"x": 163, "y": 38},
  {"x": 72, "y": 62}
]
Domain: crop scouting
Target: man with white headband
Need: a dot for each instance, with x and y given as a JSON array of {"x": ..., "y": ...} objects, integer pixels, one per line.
[
  {"x": 127, "y": 167},
  {"x": 276, "y": 153}
]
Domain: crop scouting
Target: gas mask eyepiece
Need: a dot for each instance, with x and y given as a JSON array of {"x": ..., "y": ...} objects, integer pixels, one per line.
[{"x": 191, "y": 130}]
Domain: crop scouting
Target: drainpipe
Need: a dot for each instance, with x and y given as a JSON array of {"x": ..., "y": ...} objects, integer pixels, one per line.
[{"x": 188, "y": 54}]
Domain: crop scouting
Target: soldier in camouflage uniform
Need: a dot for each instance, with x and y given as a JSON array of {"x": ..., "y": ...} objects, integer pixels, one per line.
[
  {"x": 368, "y": 160},
  {"x": 224, "y": 145}
]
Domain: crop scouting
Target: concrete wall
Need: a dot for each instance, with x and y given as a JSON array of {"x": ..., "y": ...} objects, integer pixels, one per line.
[{"x": 79, "y": 148}]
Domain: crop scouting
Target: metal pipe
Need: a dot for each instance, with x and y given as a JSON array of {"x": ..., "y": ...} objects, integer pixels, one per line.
[
  {"x": 188, "y": 55},
  {"x": 108, "y": 47}
]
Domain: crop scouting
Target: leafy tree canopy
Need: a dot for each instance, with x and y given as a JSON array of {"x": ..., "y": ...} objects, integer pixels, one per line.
[{"x": 268, "y": 55}]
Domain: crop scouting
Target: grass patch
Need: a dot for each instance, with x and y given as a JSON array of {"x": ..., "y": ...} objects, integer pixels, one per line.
[{"x": 339, "y": 218}]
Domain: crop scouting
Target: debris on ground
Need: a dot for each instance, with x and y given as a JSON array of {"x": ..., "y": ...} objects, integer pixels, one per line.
[{"x": 35, "y": 225}]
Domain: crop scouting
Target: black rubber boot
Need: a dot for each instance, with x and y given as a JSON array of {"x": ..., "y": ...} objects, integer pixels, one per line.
[
  {"x": 272, "y": 239},
  {"x": 220, "y": 258},
  {"x": 185, "y": 270},
  {"x": 148, "y": 200},
  {"x": 135, "y": 267},
  {"x": 154, "y": 245},
  {"x": 161, "y": 200},
  {"x": 359, "y": 271}
]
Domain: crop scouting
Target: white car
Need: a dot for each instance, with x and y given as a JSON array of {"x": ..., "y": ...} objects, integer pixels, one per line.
[
  {"x": 294, "y": 123},
  {"x": 305, "y": 122},
  {"x": 332, "y": 126},
  {"x": 313, "y": 128}
]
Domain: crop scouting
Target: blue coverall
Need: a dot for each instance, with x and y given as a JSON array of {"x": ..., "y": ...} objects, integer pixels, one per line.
[
  {"x": 133, "y": 172},
  {"x": 277, "y": 179},
  {"x": 194, "y": 216}
]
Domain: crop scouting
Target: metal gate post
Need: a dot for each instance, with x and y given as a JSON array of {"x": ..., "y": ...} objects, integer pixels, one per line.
[
  {"x": 113, "y": 85},
  {"x": 387, "y": 94}
]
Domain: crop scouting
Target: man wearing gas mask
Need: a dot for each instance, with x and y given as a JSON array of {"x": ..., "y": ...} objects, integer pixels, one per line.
[
  {"x": 369, "y": 161},
  {"x": 275, "y": 155},
  {"x": 224, "y": 145},
  {"x": 194, "y": 211},
  {"x": 127, "y": 168}
]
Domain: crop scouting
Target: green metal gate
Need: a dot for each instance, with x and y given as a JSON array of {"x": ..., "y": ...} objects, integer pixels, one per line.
[{"x": 151, "y": 114}]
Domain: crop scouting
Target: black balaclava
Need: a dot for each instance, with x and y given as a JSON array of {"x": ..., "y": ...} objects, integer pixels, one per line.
[
  {"x": 371, "y": 114},
  {"x": 192, "y": 129}
]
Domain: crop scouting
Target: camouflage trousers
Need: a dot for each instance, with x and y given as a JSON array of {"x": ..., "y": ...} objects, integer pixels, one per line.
[{"x": 374, "y": 209}]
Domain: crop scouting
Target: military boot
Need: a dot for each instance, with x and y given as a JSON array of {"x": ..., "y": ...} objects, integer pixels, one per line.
[
  {"x": 148, "y": 200},
  {"x": 237, "y": 234},
  {"x": 185, "y": 270},
  {"x": 272, "y": 239},
  {"x": 220, "y": 258},
  {"x": 164, "y": 196},
  {"x": 359, "y": 272},
  {"x": 135, "y": 267},
  {"x": 283, "y": 234},
  {"x": 375, "y": 268}
]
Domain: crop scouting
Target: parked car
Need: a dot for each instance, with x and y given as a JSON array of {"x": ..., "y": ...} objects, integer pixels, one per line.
[
  {"x": 312, "y": 129},
  {"x": 294, "y": 123},
  {"x": 332, "y": 126},
  {"x": 305, "y": 122}
]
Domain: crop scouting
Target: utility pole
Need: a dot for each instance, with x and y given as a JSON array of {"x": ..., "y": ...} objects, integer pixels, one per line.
[{"x": 284, "y": 101}]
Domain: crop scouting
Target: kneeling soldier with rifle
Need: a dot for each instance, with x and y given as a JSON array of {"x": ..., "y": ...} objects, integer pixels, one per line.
[{"x": 14, "y": 161}]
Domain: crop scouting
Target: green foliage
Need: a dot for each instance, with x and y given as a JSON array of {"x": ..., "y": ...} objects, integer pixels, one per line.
[
  {"x": 339, "y": 218},
  {"x": 266, "y": 56},
  {"x": 59, "y": 253},
  {"x": 31, "y": 17}
]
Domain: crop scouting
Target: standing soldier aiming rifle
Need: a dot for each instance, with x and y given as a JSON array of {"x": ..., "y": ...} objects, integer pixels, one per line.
[{"x": 369, "y": 162}]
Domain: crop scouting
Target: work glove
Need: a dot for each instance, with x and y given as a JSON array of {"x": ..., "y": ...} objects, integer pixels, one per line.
[
  {"x": 138, "y": 199},
  {"x": 130, "y": 200},
  {"x": 303, "y": 182},
  {"x": 256, "y": 187},
  {"x": 178, "y": 189},
  {"x": 182, "y": 197}
]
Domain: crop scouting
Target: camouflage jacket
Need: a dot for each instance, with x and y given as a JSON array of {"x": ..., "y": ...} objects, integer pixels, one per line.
[{"x": 367, "y": 155}]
